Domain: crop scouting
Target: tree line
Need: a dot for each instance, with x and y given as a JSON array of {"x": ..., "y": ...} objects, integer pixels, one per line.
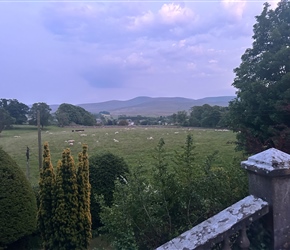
[{"x": 14, "y": 112}]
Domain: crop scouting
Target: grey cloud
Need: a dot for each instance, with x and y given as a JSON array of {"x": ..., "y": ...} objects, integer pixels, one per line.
[{"x": 105, "y": 76}]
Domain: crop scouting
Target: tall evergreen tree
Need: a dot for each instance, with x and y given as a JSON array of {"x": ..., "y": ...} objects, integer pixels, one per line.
[
  {"x": 261, "y": 111},
  {"x": 46, "y": 198},
  {"x": 84, "y": 192},
  {"x": 66, "y": 204}
]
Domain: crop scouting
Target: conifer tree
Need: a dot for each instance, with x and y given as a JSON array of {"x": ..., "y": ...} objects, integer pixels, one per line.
[
  {"x": 66, "y": 210},
  {"x": 46, "y": 198},
  {"x": 84, "y": 192}
]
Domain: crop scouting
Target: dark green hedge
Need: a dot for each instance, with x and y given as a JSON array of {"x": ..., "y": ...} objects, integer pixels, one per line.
[{"x": 17, "y": 202}]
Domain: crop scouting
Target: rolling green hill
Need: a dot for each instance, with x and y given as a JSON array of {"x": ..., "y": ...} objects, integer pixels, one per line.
[{"x": 151, "y": 106}]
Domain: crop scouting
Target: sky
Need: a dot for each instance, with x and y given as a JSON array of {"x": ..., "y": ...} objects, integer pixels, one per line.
[{"x": 93, "y": 51}]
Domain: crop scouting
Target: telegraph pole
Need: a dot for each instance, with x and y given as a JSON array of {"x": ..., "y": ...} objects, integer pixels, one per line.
[
  {"x": 39, "y": 142},
  {"x": 27, "y": 164}
]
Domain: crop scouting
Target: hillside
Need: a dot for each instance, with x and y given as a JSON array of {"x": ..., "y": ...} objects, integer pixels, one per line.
[{"x": 151, "y": 106}]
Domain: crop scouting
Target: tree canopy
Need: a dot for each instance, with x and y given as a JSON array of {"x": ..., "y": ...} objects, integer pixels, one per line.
[
  {"x": 261, "y": 110},
  {"x": 15, "y": 109},
  {"x": 5, "y": 119},
  {"x": 68, "y": 113},
  {"x": 45, "y": 115}
]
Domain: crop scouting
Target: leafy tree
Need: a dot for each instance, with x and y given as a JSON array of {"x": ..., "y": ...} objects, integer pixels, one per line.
[
  {"x": 84, "y": 192},
  {"x": 46, "y": 200},
  {"x": 5, "y": 119},
  {"x": 182, "y": 118},
  {"x": 68, "y": 113},
  {"x": 16, "y": 109},
  {"x": 261, "y": 111},
  {"x": 105, "y": 169},
  {"x": 17, "y": 202},
  {"x": 45, "y": 115}
]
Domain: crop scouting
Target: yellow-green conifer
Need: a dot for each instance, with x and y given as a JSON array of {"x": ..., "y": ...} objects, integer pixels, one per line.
[
  {"x": 46, "y": 200},
  {"x": 66, "y": 205},
  {"x": 84, "y": 192}
]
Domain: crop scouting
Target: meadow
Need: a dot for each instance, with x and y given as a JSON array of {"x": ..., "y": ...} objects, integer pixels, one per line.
[{"x": 135, "y": 144}]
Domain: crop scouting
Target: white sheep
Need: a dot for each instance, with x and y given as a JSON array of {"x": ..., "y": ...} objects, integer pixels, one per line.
[{"x": 116, "y": 140}]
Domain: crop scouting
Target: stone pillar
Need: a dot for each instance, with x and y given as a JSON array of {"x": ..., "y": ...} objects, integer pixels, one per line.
[{"x": 269, "y": 179}]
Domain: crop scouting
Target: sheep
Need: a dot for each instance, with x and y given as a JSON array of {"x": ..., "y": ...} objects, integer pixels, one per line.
[
  {"x": 116, "y": 132},
  {"x": 71, "y": 143},
  {"x": 16, "y": 136},
  {"x": 83, "y": 134},
  {"x": 116, "y": 140},
  {"x": 150, "y": 138}
]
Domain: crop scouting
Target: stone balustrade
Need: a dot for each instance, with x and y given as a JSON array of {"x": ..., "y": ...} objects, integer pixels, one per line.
[{"x": 269, "y": 188}]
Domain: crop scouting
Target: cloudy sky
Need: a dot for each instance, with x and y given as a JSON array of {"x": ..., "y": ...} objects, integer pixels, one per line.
[{"x": 93, "y": 51}]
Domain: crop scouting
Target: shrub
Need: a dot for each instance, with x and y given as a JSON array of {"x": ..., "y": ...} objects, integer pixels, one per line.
[
  {"x": 105, "y": 169},
  {"x": 17, "y": 202}
]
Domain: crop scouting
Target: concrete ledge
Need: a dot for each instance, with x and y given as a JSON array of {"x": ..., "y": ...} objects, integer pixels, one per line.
[{"x": 220, "y": 226}]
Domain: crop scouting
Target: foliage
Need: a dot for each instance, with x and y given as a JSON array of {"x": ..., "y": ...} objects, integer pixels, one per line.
[
  {"x": 17, "y": 202},
  {"x": 65, "y": 218},
  {"x": 68, "y": 113},
  {"x": 84, "y": 193},
  {"x": 45, "y": 115},
  {"x": 64, "y": 211},
  {"x": 123, "y": 122},
  {"x": 158, "y": 203},
  {"x": 5, "y": 119},
  {"x": 201, "y": 116},
  {"x": 261, "y": 111},
  {"x": 207, "y": 116},
  {"x": 105, "y": 169},
  {"x": 16, "y": 110},
  {"x": 46, "y": 206}
]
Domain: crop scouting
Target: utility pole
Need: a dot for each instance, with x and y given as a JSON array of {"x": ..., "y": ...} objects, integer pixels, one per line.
[
  {"x": 39, "y": 142},
  {"x": 27, "y": 164}
]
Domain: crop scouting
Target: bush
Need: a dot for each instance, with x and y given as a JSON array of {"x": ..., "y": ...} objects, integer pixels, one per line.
[
  {"x": 17, "y": 202},
  {"x": 105, "y": 169}
]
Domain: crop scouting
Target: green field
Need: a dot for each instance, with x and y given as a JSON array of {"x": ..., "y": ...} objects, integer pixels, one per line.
[{"x": 135, "y": 144}]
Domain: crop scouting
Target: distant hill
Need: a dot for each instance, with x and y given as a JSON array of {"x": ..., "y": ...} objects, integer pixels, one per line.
[{"x": 151, "y": 106}]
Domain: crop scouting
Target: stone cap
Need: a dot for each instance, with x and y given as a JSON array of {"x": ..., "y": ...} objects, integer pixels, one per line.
[
  {"x": 271, "y": 162},
  {"x": 219, "y": 227}
]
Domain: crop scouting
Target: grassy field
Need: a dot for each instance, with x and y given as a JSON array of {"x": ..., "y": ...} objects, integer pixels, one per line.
[{"x": 135, "y": 144}]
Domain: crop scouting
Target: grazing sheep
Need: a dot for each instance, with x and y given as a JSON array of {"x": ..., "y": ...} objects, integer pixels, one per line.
[
  {"x": 71, "y": 143},
  {"x": 116, "y": 132},
  {"x": 16, "y": 136},
  {"x": 116, "y": 140},
  {"x": 83, "y": 134},
  {"x": 150, "y": 138}
]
